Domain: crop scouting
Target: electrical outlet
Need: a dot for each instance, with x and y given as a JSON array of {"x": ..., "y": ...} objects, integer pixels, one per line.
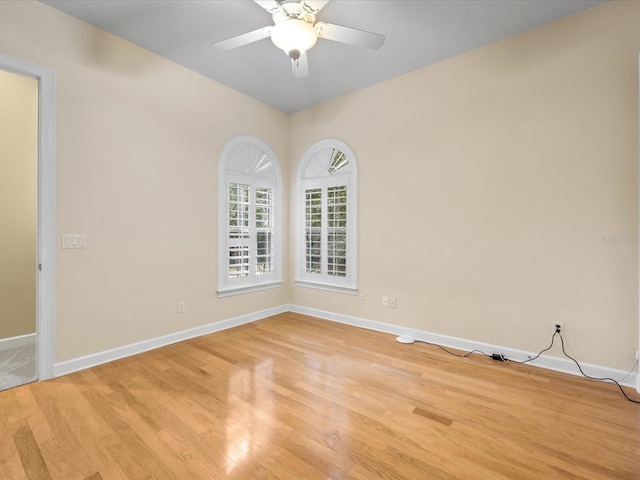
[
  {"x": 637, "y": 354},
  {"x": 361, "y": 298},
  {"x": 392, "y": 302},
  {"x": 181, "y": 307},
  {"x": 558, "y": 327},
  {"x": 385, "y": 301}
]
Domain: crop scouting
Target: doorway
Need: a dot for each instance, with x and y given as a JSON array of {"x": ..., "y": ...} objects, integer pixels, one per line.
[
  {"x": 27, "y": 222},
  {"x": 19, "y": 220}
]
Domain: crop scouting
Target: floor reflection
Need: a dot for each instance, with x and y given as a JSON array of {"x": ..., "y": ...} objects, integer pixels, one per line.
[{"x": 249, "y": 403}]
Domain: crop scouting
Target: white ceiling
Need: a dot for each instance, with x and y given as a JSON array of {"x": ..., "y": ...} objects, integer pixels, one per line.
[{"x": 418, "y": 33}]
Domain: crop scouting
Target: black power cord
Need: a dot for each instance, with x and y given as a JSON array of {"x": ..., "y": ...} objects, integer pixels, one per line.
[
  {"x": 504, "y": 359},
  {"x": 600, "y": 379},
  {"x": 461, "y": 355}
]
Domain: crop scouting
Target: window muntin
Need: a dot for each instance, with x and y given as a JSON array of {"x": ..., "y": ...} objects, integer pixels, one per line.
[
  {"x": 249, "y": 251},
  {"x": 327, "y": 241}
]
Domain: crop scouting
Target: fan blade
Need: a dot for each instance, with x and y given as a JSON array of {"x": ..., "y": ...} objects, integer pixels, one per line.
[
  {"x": 313, "y": 6},
  {"x": 240, "y": 40},
  {"x": 349, "y": 35},
  {"x": 270, "y": 6},
  {"x": 300, "y": 67}
]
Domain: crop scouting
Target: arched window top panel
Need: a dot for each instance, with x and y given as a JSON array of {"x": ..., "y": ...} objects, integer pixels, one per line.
[
  {"x": 249, "y": 156},
  {"x": 328, "y": 158}
]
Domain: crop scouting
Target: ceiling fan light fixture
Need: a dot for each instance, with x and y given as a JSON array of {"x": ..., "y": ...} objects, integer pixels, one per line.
[{"x": 294, "y": 37}]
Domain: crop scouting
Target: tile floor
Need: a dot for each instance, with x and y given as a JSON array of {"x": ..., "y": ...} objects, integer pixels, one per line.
[{"x": 17, "y": 366}]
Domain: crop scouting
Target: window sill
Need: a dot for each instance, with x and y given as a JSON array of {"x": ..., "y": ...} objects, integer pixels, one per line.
[
  {"x": 327, "y": 287},
  {"x": 229, "y": 292}
]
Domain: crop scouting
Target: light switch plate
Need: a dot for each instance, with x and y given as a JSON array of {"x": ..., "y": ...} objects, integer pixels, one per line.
[{"x": 74, "y": 240}]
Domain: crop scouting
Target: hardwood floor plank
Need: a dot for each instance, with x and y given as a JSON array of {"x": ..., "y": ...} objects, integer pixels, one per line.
[
  {"x": 10, "y": 463},
  {"x": 95, "y": 476},
  {"x": 139, "y": 445},
  {"x": 198, "y": 464},
  {"x": 85, "y": 424},
  {"x": 29, "y": 451},
  {"x": 433, "y": 416},
  {"x": 293, "y": 397}
]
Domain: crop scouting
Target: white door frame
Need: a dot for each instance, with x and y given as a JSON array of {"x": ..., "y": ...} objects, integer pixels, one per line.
[{"x": 46, "y": 264}]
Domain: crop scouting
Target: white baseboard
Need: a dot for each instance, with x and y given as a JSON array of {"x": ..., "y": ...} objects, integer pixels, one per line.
[
  {"x": 15, "y": 342},
  {"x": 550, "y": 363},
  {"x": 81, "y": 363}
]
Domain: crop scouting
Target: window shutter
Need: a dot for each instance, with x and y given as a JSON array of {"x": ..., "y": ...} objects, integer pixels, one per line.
[
  {"x": 337, "y": 231},
  {"x": 238, "y": 230},
  {"x": 264, "y": 230}
]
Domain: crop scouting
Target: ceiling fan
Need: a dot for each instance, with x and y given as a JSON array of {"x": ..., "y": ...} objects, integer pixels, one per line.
[{"x": 295, "y": 31}]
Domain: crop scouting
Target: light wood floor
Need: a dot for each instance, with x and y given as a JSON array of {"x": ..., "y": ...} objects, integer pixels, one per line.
[{"x": 292, "y": 397}]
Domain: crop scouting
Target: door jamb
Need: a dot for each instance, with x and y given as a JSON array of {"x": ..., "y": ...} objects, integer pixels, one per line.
[{"x": 46, "y": 261}]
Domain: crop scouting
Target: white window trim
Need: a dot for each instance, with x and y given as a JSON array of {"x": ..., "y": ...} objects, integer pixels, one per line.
[
  {"x": 275, "y": 279},
  {"x": 230, "y": 292},
  {"x": 327, "y": 287},
  {"x": 350, "y": 283}
]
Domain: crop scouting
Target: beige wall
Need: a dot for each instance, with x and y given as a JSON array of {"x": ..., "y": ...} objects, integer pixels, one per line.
[
  {"x": 138, "y": 139},
  {"x": 487, "y": 184},
  {"x": 501, "y": 170},
  {"x": 18, "y": 203}
]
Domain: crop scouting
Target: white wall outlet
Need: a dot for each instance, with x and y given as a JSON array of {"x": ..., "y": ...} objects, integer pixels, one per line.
[
  {"x": 385, "y": 301},
  {"x": 181, "y": 307},
  {"x": 637, "y": 354},
  {"x": 361, "y": 298},
  {"x": 392, "y": 302}
]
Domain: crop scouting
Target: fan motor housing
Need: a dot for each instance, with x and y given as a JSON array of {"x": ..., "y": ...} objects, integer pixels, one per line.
[{"x": 293, "y": 9}]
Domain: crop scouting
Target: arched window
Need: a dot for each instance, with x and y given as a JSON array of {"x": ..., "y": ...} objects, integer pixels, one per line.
[
  {"x": 249, "y": 218},
  {"x": 327, "y": 218}
]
